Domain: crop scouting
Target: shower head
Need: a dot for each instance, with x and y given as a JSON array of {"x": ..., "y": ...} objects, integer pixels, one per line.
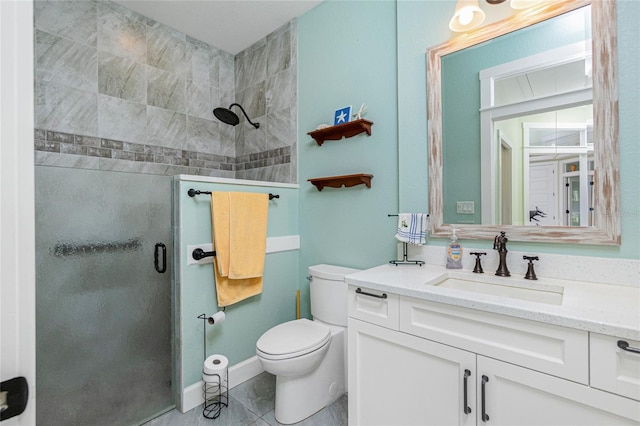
[
  {"x": 226, "y": 116},
  {"x": 229, "y": 117}
]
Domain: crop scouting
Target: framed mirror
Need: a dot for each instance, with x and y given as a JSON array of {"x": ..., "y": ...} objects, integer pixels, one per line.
[{"x": 585, "y": 150}]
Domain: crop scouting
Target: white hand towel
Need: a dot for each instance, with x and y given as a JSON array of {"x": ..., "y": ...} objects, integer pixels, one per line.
[{"x": 412, "y": 228}]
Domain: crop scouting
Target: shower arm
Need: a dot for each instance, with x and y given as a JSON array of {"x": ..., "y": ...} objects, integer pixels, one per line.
[{"x": 256, "y": 125}]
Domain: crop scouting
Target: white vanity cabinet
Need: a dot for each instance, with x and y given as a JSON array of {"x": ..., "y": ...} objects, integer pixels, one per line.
[{"x": 439, "y": 364}]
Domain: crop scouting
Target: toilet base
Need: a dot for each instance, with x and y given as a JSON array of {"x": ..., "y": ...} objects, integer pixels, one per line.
[{"x": 298, "y": 397}]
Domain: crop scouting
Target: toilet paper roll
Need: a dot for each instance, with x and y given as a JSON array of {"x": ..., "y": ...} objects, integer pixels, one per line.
[
  {"x": 215, "y": 364},
  {"x": 216, "y": 318}
]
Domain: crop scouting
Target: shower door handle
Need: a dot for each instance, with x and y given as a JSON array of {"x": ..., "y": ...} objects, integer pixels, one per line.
[{"x": 160, "y": 249}]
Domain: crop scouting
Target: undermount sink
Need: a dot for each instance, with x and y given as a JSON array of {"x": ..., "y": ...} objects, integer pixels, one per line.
[{"x": 503, "y": 287}]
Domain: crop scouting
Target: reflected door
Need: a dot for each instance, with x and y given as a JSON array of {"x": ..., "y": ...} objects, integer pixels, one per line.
[
  {"x": 578, "y": 191},
  {"x": 103, "y": 325},
  {"x": 543, "y": 197}
]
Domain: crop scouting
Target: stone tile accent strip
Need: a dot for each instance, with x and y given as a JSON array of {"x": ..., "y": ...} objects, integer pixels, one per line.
[{"x": 81, "y": 145}]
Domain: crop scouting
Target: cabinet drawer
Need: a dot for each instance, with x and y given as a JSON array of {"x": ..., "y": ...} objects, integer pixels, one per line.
[
  {"x": 614, "y": 369},
  {"x": 376, "y": 307},
  {"x": 560, "y": 351}
]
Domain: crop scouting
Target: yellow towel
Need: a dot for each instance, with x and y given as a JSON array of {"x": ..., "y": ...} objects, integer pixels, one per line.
[
  {"x": 220, "y": 227},
  {"x": 247, "y": 234},
  {"x": 239, "y": 236}
]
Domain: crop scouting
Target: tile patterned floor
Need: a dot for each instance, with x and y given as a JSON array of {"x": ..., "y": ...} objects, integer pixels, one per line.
[{"x": 252, "y": 404}]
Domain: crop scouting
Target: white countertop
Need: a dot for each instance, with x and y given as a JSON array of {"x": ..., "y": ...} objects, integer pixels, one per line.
[{"x": 601, "y": 308}]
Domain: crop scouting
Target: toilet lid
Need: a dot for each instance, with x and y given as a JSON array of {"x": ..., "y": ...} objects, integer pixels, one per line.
[{"x": 293, "y": 338}]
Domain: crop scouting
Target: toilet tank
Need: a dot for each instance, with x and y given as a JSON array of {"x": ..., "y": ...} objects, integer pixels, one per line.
[{"x": 328, "y": 293}]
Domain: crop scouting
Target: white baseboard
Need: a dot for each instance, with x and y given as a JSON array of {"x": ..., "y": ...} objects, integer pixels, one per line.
[
  {"x": 245, "y": 370},
  {"x": 191, "y": 396}
]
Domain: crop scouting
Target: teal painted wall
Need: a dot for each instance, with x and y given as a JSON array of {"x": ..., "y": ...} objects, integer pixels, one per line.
[
  {"x": 347, "y": 56},
  {"x": 375, "y": 52},
  {"x": 245, "y": 321}
]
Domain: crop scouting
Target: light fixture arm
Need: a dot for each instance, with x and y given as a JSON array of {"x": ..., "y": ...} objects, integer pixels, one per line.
[{"x": 256, "y": 125}]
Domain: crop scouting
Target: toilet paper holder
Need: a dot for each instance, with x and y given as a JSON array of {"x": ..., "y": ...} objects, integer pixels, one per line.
[
  {"x": 215, "y": 387},
  {"x": 211, "y": 319}
]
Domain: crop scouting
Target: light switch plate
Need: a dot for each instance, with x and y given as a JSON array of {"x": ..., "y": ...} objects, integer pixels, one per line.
[{"x": 465, "y": 207}]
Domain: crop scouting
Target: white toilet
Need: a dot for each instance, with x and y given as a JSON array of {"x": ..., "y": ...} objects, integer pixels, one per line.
[{"x": 309, "y": 358}]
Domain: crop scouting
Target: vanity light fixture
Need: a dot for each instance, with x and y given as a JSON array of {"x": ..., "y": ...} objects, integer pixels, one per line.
[{"x": 467, "y": 16}]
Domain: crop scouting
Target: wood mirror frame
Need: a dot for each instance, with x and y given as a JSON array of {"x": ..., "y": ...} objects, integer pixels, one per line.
[{"x": 605, "y": 110}]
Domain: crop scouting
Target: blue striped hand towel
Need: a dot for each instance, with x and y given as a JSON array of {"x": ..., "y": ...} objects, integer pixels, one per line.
[{"x": 412, "y": 228}]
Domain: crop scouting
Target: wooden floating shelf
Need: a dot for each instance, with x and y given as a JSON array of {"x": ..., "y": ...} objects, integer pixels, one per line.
[
  {"x": 339, "y": 181},
  {"x": 339, "y": 131}
]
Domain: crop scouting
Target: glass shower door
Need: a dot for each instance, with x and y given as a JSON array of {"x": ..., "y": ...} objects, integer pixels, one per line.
[{"x": 104, "y": 314}]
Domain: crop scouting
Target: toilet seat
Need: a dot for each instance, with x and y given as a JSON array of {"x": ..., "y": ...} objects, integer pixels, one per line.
[{"x": 292, "y": 339}]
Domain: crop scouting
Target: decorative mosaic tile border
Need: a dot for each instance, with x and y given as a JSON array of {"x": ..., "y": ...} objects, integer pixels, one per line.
[{"x": 66, "y": 143}]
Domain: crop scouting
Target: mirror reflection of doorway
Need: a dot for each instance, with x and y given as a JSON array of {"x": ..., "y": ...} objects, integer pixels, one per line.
[
  {"x": 551, "y": 93},
  {"x": 543, "y": 193}
]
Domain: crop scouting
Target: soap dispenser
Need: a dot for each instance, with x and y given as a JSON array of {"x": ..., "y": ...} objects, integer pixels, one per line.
[{"x": 454, "y": 252}]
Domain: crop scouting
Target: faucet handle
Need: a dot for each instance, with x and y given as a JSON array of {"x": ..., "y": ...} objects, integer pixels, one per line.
[
  {"x": 531, "y": 274},
  {"x": 478, "y": 268}
]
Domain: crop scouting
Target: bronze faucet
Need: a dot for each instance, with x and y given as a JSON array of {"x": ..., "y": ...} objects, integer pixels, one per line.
[{"x": 500, "y": 244}]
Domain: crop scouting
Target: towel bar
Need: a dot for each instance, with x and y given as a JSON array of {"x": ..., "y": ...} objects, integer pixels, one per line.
[{"x": 193, "y": 192}]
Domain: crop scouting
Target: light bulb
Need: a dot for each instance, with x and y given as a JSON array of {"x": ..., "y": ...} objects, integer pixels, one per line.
[{"x": 465, "y": 16}]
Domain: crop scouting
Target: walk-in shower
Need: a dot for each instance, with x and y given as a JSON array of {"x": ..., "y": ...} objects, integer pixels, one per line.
[{"x": 104, "y": 312}]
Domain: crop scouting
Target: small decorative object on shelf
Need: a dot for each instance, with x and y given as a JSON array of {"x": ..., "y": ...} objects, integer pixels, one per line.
[
  {"x": 358, "y": 115},
  {"x": 347, "y": 130},
  {"x": 339, "y": 181},
  {"x": 342, "y": 115}
]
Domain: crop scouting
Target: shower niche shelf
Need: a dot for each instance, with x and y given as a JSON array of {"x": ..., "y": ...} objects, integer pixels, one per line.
[
  {"x": 339, "y": 181},
  {"x": 337, "y": 132}
]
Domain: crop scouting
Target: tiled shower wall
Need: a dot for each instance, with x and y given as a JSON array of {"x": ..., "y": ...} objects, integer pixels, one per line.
[
  {"x": 265, "y": 82},
  {"x": 118, "y": 91}
]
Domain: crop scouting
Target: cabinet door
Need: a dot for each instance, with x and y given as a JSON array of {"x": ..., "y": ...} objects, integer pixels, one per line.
[
  {"x": 398, "y": 379},
  {"x": 518, "y": 396}
]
